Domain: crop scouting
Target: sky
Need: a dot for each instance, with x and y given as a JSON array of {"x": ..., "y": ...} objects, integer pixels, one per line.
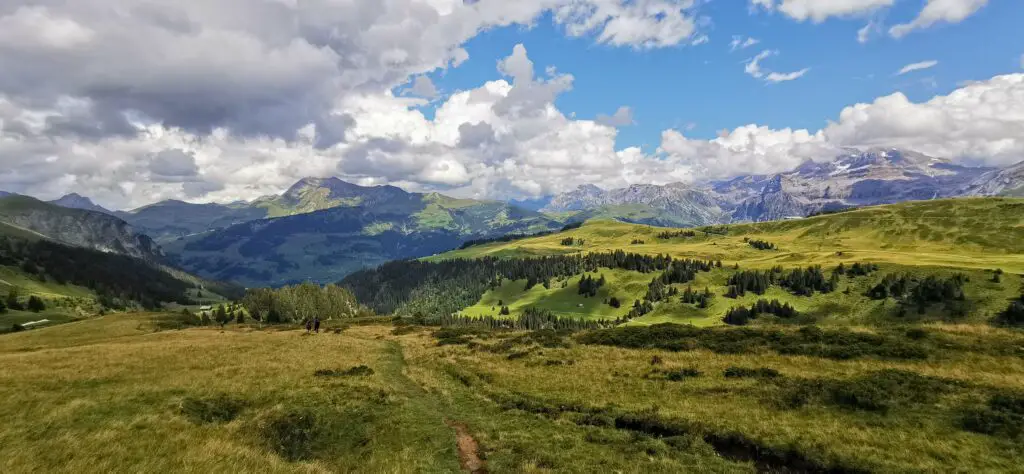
[{"x": 130, "y": 102}]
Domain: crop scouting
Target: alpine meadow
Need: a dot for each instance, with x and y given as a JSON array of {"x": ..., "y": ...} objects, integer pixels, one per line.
[{"x": 493, "y": 236}]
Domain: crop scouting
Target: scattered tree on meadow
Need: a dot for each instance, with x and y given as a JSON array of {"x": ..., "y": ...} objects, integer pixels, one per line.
[
  {"x": 35, "y": 304},
  {"x": 12, "y": 300}
]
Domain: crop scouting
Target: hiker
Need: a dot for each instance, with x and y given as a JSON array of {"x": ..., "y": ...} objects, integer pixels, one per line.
[
  {"x": 309, "y": 325},
  {"x": 316, "y": 324}
]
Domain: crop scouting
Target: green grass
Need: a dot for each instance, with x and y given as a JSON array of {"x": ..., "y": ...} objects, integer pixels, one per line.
[
  {"x": 111, "y": 394},
  {"x": 942, "y": 237},
  {"x": 624, "y": 285},
  {"x": 979, "y": 233}
]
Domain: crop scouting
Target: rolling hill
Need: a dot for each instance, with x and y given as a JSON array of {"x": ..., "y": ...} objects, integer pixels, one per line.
[
  {"x": 77, "y": 227},
  {"x": 326, "y": 245},
  {"x": 922, "y": 240}
]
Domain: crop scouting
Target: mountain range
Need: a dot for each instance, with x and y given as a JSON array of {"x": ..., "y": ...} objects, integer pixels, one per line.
[
  {"x": 322, "y": 229},
  {"x": 855, "y": 178}
]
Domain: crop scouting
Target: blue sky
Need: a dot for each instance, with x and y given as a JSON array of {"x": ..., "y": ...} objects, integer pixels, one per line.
[{"x": 705, "y": 87}]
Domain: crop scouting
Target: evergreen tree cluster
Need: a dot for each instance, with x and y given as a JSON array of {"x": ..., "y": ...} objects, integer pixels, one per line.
[
  {"x": 806, "y": 281},
  {"x": 118, "y": 280},
  {"x": 856, "y": 270},
  {"x": 680, "y": 271},
  {"x": 639, "y": 309},
  {"x": 670, "y": 234},
  {"x": 531, "y": 319},
  {"x": 754, "y": 281},
  {"x": 702, "y": 300},
  {"x": 740, "y": 316},
  {"x": 760, "y": 244},
  {"x": 589, "y": 285},
  {"x": 439, "y": 288},
  {"x": 303, "y": 303},
  {"x": 504, "y": 238},
  {"x": 1013, "y": 315},
  {"x": 572, "y": 241},
  {"x": 636, "y": 242},
  {"x": 920, "y": 292}
]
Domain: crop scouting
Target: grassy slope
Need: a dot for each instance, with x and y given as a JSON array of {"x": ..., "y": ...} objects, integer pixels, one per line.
[
  {"x": 944, "y": 236},
  {"x": 104, "y": 395},
  {"x": 980, "y": 233}
]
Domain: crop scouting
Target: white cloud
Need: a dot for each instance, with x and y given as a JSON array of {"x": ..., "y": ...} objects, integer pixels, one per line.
[
  {"x": 424, "y": 87},
  {"x": 753, "y": 68},
  {"x": 621, "y": 118},
  {"x": 936, "y": 11},
  {"x": 980, "y": 122},
  {"x": 739, "y": 42},
  {"x": 917, "y": 67},
  {"x": 872, "y": 28},
  {"x": 786, "y": 76},
  {"x": 820, "y": 10},
  {"x": 227, "y": 100}
]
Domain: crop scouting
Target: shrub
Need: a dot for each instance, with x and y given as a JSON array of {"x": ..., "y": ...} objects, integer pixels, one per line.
[
  {"x": 1003, "y": 415},
  {"x": 17, "y": 328},
  {"x": 292, "y": 434},
  {"x": 812, "y": 341},
  {"x": 357, "y": 371},
  {"x": 681, "y": 374},
  {"x": 220, "y": 408},
  {"x": 879, "y": 391},
  {"x": 745, "y": 372}
]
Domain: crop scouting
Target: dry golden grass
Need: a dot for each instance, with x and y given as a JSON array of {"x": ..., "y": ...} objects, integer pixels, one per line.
[{"x": 106, "y": 395}]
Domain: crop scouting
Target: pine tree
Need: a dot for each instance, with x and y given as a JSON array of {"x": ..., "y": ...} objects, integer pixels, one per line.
[
  {"x": 240, "y": 317},
  {"x": 35, "y": 304},
  {"x": 12, "y": 300}
]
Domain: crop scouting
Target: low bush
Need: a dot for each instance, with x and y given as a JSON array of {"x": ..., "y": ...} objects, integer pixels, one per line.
[
  {"x": 840, "y": 344},
  {"x": 746, "y": 372},
  {"x": 357, "y": 371},
  {"x": 292, "y": 434},
  {"x": 220, "y": 408},
  {"x": 879, "y": 391},
  {"x": 1002, "y": 416}
]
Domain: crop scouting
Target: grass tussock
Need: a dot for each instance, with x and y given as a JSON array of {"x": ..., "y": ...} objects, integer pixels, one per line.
[
  {"x": 1002, "y": 415},
  {"x": 220, "y": 408},
  {"x": 840, "y": 344},
  {"x": 357, "y": 371}
]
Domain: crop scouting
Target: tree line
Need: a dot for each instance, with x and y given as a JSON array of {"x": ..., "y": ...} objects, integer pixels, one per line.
[
  {"x": 118, "y": 280},
  {"x": 740, "y": 316},
  {"x": 920, "y": 292},
  {"x": 759, "y": 244},
  {"x": 303, "y": 302},
  {"x": 445, "y": 287},
  {"x": 798, "y": 281}
]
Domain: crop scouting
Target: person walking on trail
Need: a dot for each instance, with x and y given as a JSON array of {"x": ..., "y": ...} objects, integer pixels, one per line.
[
  {"x": 316, "y": 324},
  {"x": 309, "y": 325}
]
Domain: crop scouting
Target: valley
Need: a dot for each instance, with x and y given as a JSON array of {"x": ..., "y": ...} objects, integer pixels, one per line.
[{"x": 801, "y": 345}]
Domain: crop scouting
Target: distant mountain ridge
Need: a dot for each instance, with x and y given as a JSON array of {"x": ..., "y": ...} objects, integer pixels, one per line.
[
  {"x": 356, "y": 227},
  {"x": 78, "y": 227},
  {"x": 856, "y": 178}
]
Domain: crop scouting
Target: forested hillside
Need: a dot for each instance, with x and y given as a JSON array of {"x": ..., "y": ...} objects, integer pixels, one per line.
[{"x": 907, "y": 262}]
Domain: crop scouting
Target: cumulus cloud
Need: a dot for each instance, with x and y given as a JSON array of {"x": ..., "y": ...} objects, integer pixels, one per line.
[
  {"x": 228, "y": 100},
  {"x": 817, "y": 11},
  {"x": 424, "y": 87},
  {"x": 621, "y": 118},
  {"x": 917, "y": 67},
  {"x": 820, "y": 10},
  {"x": 939, "y": 11},
  {"x": 979, "y": 122}
]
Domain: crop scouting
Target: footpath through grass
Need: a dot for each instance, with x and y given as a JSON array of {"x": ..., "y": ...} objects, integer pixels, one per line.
[{"x": 112, "y": 394}]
